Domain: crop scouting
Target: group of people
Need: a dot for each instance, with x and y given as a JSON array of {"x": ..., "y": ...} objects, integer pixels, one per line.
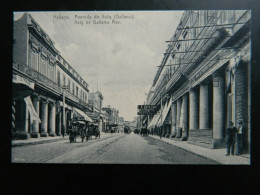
[{"x": 235, "y": 134}]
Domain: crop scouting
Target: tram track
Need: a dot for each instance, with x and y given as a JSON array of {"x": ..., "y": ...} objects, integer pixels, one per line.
[
  {"x": 76, "y": 151},
  {"x": 99, "y": 149}
]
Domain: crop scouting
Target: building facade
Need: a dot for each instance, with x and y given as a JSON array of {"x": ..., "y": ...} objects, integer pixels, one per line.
[
  {"x": 58, "y": 87},
  {"x": 203, "y": 81},
  {"x": 96, "y": 101},
  {"x": 113, "y": 118}
]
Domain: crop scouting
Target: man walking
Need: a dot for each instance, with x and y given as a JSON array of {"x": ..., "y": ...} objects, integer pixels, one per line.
[
  {"x": 231, "y": 133},
  {"x": 239, "y": 138}
]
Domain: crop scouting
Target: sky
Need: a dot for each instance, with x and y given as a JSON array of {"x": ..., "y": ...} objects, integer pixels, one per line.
[{"x": 121, "y": 58}]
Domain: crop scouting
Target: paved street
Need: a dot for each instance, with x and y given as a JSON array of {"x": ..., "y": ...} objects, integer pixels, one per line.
[{"x": 109, "y": 149}]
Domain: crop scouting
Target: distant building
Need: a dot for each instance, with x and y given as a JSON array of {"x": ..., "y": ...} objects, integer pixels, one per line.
[
  {"x": 36, "y": 60},
  {"x": 121, "y": 124},
  {"x": 113, "y": 117},
  {"x": 96, "y": 100}
]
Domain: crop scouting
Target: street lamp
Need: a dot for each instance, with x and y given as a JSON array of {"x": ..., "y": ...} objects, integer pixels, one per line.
[{"x": 65, "y": 87}]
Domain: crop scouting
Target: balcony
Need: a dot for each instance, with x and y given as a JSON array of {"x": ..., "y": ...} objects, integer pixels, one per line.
[{"x": 42, "y": 80}]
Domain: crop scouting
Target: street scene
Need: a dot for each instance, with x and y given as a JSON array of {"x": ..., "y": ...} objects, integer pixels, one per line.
[
  {"x": 132, "y": 87},
  {"x": 110, "y": 149}
]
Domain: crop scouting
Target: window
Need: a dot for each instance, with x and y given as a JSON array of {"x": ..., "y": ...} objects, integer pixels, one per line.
[
  {"x": 73, "y": 88},
  {"x": 64, "y": 80},
  {"x": 184, "y": 34},
  {"x": 77, "y": 91},
  {"x": 51, "y": 70},
  {"x": 58, "y": 77},
  {"x": 33, "y": 60},
  {"x": 205, "y": 17},
  {"x": 44, "y": 67},
  {"x": 178, "y": 46},
  {"x": 69, "y": 84}
]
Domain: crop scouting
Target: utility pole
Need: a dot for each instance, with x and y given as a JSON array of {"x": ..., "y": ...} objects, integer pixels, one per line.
[{"x": 65, "y": 87}]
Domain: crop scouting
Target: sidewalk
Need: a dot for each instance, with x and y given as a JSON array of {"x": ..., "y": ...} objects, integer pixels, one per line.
[
  {"x": 217, "y": 155},
  {"x": 42, "y": 140}
]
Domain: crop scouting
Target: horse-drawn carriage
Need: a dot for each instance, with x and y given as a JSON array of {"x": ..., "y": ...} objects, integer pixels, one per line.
[
  {"x": 83, "y": 129},
  {"x": 93, "y": 130},
  {"x": 127, "y": 129}
]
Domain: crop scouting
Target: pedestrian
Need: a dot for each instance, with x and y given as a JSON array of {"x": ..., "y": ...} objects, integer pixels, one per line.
[
  {"x": 160, "y": 132},
  {"x": 239, "y": 140},
  {"x": 231, "y": 133}
]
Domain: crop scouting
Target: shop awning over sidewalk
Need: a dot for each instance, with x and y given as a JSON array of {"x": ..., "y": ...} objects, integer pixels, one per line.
[
  {"x": 165, "y": 111},
  {"x": 21, "y": 87},
  {"x": 32, "y": 111},
  {"x": 79, "y": 113},
  {"x": 154, "y": 120}
]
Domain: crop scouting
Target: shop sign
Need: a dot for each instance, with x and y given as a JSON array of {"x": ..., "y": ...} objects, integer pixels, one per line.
[
  {"x": 145, "y": 112},
  {"x": 152, "y": 107}
]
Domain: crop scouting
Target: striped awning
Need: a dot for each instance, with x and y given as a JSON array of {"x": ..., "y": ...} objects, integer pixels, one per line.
[
  {"x": 33, "y": 114},
  {"x": 166, "y": 110},
  {"x": 154, "y": 120},
  {"x": 80, "y": 114}
]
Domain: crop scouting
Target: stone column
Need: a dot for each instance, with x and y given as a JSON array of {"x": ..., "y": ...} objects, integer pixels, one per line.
[
  {"x": 23, "y": 130},
  {"x": 35, "y": 126},
  {"x": 59, "y": 124},
  {"x": 44, "y": 119},
  {"x": 194, "y": 110},
  {"x": 52, "y": 120},
  {"x": 173, "y": 126},
  {"x": 184, "y": 124},
  {"x": 179, "y": 102},
  {"x": 204, "y": 107},
  {"x": 218, "y": 110}
]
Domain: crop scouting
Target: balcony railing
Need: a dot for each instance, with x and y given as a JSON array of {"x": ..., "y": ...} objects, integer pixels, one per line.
[
  {"x": 78, "y": 100},
  {"x": 36, "y": 76},
  {"x": 43, "y": 80}
]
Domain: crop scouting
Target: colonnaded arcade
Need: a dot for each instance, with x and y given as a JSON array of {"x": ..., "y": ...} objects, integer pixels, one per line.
[{"x": 203, "y": 81}]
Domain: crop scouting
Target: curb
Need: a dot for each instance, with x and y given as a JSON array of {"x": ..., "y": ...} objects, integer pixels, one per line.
[
  {"x": 40, "y": 141},
  {"x": 37, "y": 142}
]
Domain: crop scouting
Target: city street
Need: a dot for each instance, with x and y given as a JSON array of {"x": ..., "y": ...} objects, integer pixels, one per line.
[{"x": 117, "y": 148}]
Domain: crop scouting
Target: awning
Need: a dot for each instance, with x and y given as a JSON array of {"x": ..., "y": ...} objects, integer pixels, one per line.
[
  {"x": 166, "y": 110},
  {"x": 93, "y": 115},
  {"x": 154, "y": 120},
  {"x": 144, "y": 121},
  {"x": 159, "y": 123},
  {"x": 22, "y": 87},
  {"x": 32, "y": 111},
  {"x": 79, "y": 113}
]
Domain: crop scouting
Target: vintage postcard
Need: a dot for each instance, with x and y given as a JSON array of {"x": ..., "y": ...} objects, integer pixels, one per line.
[{"x": 132, "y": 87}]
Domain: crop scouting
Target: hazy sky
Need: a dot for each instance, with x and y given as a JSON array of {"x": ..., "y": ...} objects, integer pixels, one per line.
[{"x": 121, "y": 58}]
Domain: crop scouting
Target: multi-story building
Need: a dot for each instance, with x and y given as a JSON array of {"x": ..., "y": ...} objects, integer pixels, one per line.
[
  {"x": 203, "y": 81},
  {"x": 36, "y": 59},
  {"x": 95, "y": 100},
  {"x": 121, "y": 124},
  {"x": 113, "y": 117}
]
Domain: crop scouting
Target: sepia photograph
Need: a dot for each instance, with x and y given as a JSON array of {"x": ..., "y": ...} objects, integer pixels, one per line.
[{"x": 131, "y": 87}]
